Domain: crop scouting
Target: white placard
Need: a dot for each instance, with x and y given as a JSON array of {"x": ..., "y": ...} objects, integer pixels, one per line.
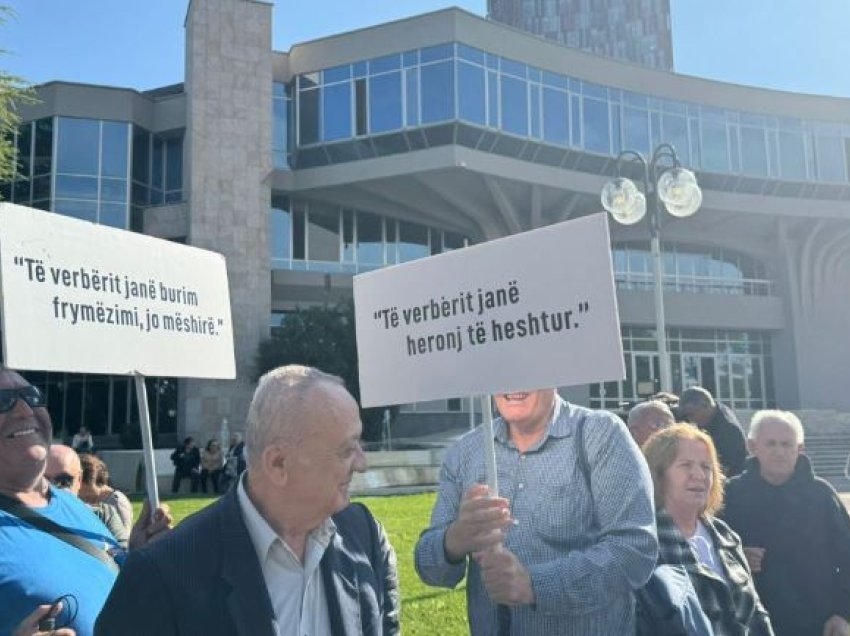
[
  {"x": 529, "y": 311},
  {"x": 93, "y": 299}
]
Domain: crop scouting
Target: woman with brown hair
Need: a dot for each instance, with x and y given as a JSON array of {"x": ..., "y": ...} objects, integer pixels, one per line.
[
  {"x": 688, "y": 487},
  {"x": 95, "y": 489}
]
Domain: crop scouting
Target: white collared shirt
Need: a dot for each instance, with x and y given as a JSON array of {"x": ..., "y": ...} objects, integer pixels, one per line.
[{"x": 296, "y": 589}]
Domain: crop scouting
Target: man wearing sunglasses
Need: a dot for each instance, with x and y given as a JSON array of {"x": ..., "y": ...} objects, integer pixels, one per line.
[{"x": 37, "y": 567}]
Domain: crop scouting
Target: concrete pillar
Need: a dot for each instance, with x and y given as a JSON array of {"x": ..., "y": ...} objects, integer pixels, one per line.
[{"x": 228, "y": 163}]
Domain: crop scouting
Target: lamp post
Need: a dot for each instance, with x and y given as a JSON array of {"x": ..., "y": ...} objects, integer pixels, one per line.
[{"x": 663, "y": 179}]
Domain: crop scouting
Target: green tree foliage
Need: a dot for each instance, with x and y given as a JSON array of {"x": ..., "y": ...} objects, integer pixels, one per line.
[
  {"x": 321, "y": 337},
  {"x": 13, "y": 92}
]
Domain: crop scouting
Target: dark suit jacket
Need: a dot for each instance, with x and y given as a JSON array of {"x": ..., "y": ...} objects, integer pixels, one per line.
[{"x": 205, "y": 579}]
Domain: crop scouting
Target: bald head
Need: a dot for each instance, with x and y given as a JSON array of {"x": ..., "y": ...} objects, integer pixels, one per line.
[
  {"x": 648, "y": 417},
  {"x": 63, "y": 466}
]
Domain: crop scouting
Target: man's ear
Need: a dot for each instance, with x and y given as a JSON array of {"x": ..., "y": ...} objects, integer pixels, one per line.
[
  {"x": 751, "y": 446},
  {"x": 276, "y": 461}
]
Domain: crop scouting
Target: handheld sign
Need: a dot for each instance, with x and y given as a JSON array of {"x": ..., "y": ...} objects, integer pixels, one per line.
[
  {"x": 88, "y": 298},
  {"x": 529, "y": 311}
]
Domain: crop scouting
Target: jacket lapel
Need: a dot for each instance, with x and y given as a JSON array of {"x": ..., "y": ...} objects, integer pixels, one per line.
[
  {"x": 248, "y": 600},
  {"x": 341, "y": 590}
]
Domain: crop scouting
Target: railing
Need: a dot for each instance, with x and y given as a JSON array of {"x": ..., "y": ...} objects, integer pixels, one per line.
[{"x": 642, "y": 281}]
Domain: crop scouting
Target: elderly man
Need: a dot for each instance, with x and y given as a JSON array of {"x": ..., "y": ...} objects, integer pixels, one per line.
[
  {"x": 699, "y": 407},
  {"x": 65, "y": 470},
  {"x": 795, "y": 530},
  {"x": 572, "y": 535},
  {"x": 281, "y": 553},
  {"x": 647, "y": 417},
  {"x": 51, "y": 545}
]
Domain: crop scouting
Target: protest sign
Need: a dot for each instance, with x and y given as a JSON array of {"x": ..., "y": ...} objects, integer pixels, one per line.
[
  {"x": 529, "y": 311},
  {"x": 94, "y": 299}
]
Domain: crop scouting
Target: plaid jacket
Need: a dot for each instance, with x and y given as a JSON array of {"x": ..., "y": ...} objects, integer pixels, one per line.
[{"x": 732, "y": 606}]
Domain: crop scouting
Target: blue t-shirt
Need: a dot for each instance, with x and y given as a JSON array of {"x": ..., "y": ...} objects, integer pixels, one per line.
[{"x": 36, "y": 568}]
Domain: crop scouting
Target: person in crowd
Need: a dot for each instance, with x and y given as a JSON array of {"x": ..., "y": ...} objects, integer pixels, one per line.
[
  {"x": 65, "y": 470},
  {"x": 568, "y": 539},
  {"x": 697, "y": 406},
  {"x": 282, "y": 552},
  {"x": 82, "y": 442},
  {"x": 110, "y": 505},
  {"x": 96, "y": 491},
  {"x": 647, "y": 417},
  {"x": 236, "y": 452},
  {"x": 212, "y": 464},
  {"x": 795, "y": 530},
  {"x": 187, "y": 464},
  {"x": 234, "y": 461},
  {"x": 37, "y": 566},
  {"x": 688, "y": 486}
]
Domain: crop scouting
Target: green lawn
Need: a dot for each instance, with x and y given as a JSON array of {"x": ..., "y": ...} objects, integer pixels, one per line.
[{"x": 424, "y": 610}]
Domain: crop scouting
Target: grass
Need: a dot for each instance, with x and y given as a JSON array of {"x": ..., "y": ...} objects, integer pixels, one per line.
[{"x": 424, "y": 609}]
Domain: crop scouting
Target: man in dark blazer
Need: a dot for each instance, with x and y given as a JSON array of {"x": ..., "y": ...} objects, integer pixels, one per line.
[{"x": 284, "y": 551}]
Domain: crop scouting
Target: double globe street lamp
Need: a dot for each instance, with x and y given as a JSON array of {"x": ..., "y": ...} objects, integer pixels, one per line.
[{"x": 666, "y": 180}]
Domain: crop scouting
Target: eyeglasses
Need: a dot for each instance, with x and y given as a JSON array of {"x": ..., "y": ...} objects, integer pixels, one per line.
[
  {"x": 62, "y": 480},
  {"x": 29, "y": 394}
]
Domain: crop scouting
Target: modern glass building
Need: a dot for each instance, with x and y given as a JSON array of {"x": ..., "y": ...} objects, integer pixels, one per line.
[
  {"x": 411, "y": 138},
  {"x": 636, "y": 31}
]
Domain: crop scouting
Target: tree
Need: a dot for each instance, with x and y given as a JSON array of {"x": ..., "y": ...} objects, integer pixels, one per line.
[
  {"x": 321, "y": 337},
  {"x": 14, "y": 91}
]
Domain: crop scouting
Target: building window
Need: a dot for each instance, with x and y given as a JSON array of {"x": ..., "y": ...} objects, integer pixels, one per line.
[
  {"x": 456, "y": 82},
  {"x": 690, "y": 269},
  {"x": 317, "y": 236},
  {"x": 735, "y": 366}
]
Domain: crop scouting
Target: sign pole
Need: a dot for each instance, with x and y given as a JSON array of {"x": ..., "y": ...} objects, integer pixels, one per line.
[
  {"x": 147, "y": 441},
  {"x": 489, "y": 446}
]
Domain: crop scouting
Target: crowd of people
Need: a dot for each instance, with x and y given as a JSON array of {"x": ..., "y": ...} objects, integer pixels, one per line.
[{"x": 660, "y": 525}]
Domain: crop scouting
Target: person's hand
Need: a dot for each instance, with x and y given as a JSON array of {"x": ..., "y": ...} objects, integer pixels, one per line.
[
  {"x": 754, "y": 557},
  {"x": 150, "y": 528},
  {"x": 836, "y": 626},
  {"x": 480, "y": 523},
  {"x": 505, "y": 578},
  {"x": 29, "y": 626}
]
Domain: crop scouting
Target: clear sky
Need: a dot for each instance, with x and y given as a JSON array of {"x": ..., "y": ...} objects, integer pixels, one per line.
[{"x": 785, "y": 44}]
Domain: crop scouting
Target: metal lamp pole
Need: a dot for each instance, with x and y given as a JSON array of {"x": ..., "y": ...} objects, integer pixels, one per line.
[{"x": 649, "y": 175}]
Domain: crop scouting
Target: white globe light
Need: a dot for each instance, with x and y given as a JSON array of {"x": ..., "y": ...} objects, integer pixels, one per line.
[
  {"x": 688, "y": 207},
  {"x": 678, "y": 190},
  {"x": 624, "y": 201}
]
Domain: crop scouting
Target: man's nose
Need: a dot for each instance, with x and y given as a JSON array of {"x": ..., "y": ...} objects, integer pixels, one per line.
[
  {"x": 21, "y": 408},
  {"x": 360, "y": 461}
]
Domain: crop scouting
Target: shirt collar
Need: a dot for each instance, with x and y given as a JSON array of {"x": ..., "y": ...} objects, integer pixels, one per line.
[
  {"x": 263, "y": 537},
  {"x": 559, "y": 425}
]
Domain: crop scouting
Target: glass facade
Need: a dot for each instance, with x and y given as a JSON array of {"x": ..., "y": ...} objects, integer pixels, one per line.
[
  {"x": 690, "y": 269},
  {"x": 82, "y": 168},
  {"x": 157, "y": 172},
  {"x": 320, "y": 237},
  {"x": 92, "y": 162},
  {"x": 32, "y": 184},
  {"x": 105, "y": 404},
  {"x": 735, "y": 366},
  {"x": 453, "y": 82}
]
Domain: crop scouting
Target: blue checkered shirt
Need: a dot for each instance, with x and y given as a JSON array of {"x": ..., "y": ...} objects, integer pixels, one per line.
[{"x": 583, "y": 573}]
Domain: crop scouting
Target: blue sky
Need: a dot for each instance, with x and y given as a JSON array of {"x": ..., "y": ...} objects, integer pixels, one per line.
[{"x": 783, "y": 44}]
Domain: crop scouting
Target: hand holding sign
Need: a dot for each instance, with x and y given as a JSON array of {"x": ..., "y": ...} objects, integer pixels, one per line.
[{"x": 480, "y": 524}]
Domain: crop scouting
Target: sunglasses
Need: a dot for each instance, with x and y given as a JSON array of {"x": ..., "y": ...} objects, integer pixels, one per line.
[
  {"x": 29, "y": 394},
  {"x": 62, "y": 480}
]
